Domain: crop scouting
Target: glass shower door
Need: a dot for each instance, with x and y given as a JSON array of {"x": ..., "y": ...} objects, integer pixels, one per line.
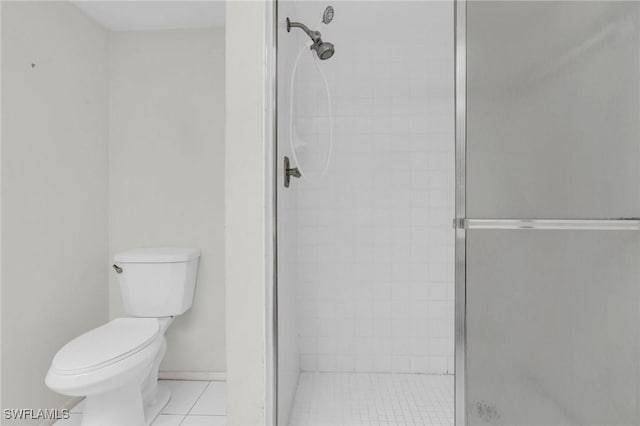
[{"x": 552, "y": 201}]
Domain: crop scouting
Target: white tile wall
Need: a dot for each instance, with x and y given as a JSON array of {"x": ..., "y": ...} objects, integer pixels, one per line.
[{"x": 375, "y": 241}]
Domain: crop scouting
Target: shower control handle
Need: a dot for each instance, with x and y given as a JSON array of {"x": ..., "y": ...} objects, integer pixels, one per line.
[{"x": 289, "y": 171}]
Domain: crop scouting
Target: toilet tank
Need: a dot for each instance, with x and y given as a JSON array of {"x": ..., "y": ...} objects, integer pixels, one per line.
[{"x": 157, "y": 282}]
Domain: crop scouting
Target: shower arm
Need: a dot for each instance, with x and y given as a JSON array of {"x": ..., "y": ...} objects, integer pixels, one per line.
[{"x": 314, "y": 35}]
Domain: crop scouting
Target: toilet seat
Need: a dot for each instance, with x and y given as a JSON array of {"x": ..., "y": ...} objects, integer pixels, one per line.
[{"x": 106, "y": 345}]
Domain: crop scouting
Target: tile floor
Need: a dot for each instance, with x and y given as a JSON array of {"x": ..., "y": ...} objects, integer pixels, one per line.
[
  {"x": 340, "y": 399},
  {"x": 322, "y": 399},
  {"x": 193, "y": 403}
]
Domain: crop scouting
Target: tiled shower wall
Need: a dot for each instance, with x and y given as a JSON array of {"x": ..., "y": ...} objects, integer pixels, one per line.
[{"x": 374, "y": 234}]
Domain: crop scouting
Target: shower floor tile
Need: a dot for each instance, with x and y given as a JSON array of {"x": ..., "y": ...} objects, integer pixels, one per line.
[{"x": 332, "y": 399}]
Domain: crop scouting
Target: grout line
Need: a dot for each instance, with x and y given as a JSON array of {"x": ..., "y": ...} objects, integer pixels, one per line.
[
  {"x": 206, "y": 415},
  {"x": 195, "y": 402},
  {"x": 161, "y": 414}
]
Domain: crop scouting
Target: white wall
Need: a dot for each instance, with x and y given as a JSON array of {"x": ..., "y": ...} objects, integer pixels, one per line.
[
  {"x": 374, "y": 235},
  {"x": 166, "y": 172},
  {"x": 245, "y": 205},
  {"x": 54, "y": 190}
]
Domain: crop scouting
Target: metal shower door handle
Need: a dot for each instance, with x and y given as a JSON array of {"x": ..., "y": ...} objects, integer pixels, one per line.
[
  {"x": 289, "y": 171},
  {"x": 617, "y": 224}
]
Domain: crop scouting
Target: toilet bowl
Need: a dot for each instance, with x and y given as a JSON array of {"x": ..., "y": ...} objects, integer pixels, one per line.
[
  {"x": 109, "y": 366},
  {"x": 116, "y": 365}
]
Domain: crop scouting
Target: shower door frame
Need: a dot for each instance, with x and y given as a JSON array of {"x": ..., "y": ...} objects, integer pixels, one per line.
[
  {"x": 271, "y": 212},
  {"x": 460, "y": 275}
]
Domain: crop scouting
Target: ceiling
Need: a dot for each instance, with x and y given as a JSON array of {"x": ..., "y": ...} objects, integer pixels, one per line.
[{"x": 154, "y": 15}]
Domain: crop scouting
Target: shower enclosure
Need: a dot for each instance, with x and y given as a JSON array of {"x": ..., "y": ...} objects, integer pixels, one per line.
[{"x": 515, "y": 122}]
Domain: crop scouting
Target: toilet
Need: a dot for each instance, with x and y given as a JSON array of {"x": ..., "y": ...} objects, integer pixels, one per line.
[{"x": 116, "y": 365}]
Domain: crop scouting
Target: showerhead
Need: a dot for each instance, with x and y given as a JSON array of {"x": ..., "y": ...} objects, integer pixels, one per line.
[{"x": 324, "y": 50}]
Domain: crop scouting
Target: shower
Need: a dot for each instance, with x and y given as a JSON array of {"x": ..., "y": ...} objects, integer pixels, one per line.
[
  {"x": 323, "y": 49},
  {"x": 365, "y": 248},
  {"x": 382, "y": 312}
]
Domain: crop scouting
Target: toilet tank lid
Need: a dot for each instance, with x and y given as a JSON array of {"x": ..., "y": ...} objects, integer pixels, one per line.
[{"x": 157, "y": 255}]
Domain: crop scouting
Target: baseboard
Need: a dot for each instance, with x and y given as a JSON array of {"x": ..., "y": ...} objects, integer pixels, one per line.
[
  {"x": 68, "y": 405},
  {"x": 193, "y": 375}
]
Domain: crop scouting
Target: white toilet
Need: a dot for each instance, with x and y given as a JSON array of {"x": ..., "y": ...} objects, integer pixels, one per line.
[{"x": 116, "y": 365}]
